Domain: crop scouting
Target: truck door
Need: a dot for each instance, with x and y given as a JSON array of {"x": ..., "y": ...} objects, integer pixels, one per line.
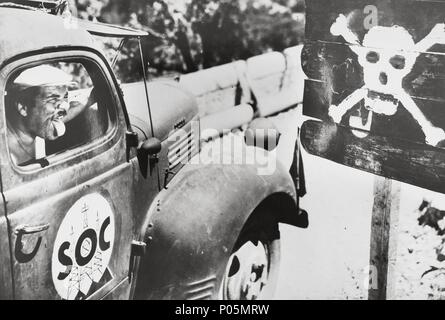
[{"x": 68, "y": 205}]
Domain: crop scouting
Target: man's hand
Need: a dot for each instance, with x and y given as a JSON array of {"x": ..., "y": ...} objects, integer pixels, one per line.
[{"x": 77, "y": 107}]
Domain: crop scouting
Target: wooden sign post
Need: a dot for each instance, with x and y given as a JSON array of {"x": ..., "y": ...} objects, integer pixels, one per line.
[{"x": 383, "y": 246}]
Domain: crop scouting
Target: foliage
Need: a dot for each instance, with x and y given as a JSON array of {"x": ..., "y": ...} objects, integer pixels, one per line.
[{"x": 197, "y": 33}]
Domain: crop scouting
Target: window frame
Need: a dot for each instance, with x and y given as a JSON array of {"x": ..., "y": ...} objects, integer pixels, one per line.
[{"x": 19, "y": 174}]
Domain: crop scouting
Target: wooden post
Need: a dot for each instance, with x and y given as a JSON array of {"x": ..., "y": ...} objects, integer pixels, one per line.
[{"x": 383, "y": 236}]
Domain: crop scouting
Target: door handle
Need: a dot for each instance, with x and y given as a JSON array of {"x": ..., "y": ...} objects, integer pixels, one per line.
[
  {"x": 31, "y": 229},
  {"x": 20, "y": 231}
]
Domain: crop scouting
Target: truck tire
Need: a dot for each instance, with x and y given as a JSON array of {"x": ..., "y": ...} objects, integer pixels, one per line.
[{"x": 252, "y": 269}]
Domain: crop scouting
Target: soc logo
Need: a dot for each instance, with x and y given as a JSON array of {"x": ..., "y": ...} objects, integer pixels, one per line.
[{"x": 83, "y": 247}]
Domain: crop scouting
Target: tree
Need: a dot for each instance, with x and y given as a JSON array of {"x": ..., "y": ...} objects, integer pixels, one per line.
[
  {"x": 199, "y": 33},
  {"x": 219, "y": 26}
]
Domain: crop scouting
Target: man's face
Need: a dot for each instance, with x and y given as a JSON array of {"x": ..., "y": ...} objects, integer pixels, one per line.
[{"x": 45, "y": 118}]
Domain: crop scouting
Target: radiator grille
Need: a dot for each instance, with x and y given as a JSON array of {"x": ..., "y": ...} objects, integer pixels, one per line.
[{"x": 182, "y": 150}]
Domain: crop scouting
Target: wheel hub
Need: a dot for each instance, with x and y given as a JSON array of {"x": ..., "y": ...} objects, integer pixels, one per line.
[{"x": 247, "y": 272}]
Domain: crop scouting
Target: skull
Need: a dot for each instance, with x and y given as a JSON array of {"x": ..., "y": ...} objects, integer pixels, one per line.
[{"x": 387, "y": 56}]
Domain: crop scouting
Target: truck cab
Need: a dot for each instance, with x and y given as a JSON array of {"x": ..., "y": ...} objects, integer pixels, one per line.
[{"x": 109, "y": 209}]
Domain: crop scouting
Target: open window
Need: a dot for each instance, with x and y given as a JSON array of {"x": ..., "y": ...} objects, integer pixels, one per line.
[{"x": 55, "y": 107}]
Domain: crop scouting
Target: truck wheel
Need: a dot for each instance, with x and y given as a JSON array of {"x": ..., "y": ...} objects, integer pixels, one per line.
[{"x": 252, "y": 269}]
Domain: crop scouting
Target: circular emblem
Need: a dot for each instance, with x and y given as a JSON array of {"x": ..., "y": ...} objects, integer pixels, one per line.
[{"x": 83, "y": 247}]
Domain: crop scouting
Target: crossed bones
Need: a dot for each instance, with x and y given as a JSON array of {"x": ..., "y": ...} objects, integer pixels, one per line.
[{"x": 387, "y": 55}]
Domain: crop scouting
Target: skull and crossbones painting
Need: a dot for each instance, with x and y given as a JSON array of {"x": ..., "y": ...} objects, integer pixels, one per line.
[{"x": 387, "y": 55}]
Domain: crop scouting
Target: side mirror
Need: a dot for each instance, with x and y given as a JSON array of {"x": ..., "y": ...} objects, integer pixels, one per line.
[
  {"x": 151, "y": 146},
  {"x": 147, "y": 154}
]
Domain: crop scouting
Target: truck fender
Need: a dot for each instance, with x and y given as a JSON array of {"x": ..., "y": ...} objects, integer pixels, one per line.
[{"x": 193, "y": 225}]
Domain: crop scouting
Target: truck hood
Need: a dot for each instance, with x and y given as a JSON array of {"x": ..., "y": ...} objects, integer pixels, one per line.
[{"x": 171, "y": 107}]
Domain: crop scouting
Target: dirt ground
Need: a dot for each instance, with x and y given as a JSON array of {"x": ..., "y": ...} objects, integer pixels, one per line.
[
  {"x": 419, "y": 272},
  {"x": 330, "y": 259}
]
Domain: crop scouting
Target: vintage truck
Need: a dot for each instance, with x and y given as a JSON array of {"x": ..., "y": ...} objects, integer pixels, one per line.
[{"x": 109, "y": 211}]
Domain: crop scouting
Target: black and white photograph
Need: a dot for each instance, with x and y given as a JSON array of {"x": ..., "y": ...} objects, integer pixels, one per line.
[{"x": 223, "y": 150}]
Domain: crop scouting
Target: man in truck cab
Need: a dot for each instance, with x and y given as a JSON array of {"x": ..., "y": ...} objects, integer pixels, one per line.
[{"x": 37, "y": 109}]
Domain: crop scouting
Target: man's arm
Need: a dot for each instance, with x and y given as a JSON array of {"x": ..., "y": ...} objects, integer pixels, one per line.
[{"x": 77, "y": 107}]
